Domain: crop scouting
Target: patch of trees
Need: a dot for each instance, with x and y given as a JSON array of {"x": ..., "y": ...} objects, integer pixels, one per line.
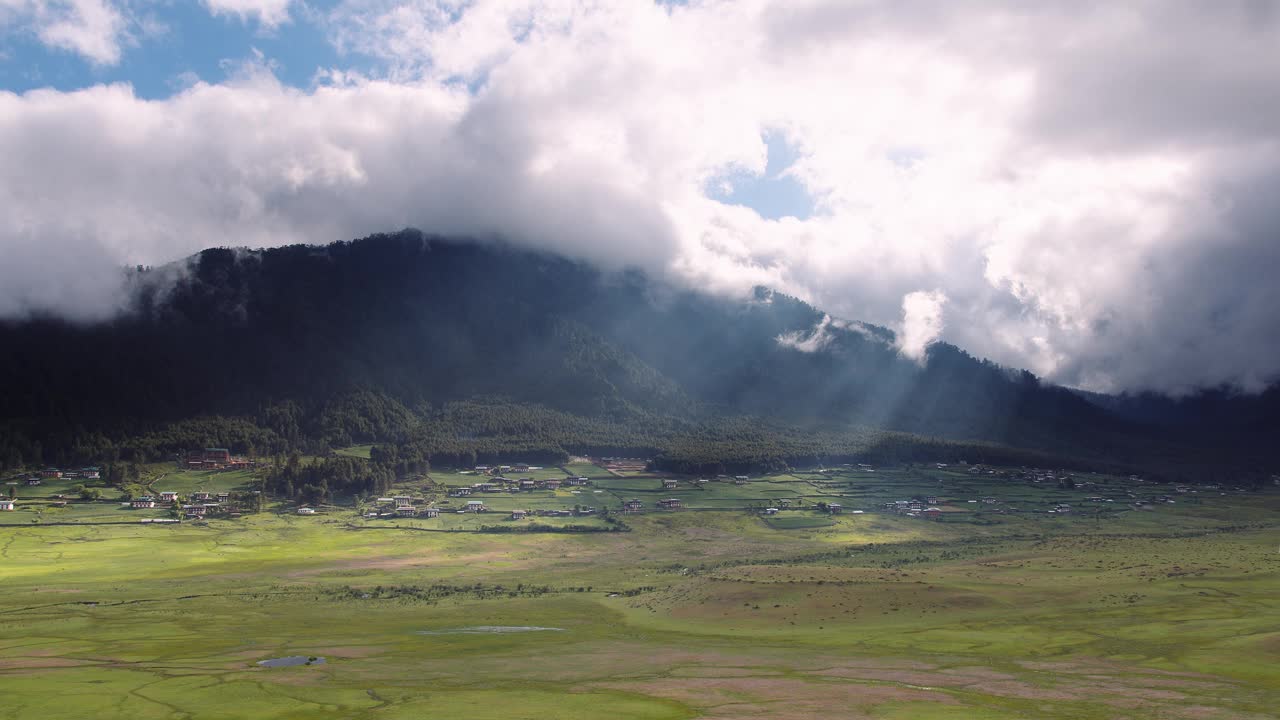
[{"x": 319, "y": 482}]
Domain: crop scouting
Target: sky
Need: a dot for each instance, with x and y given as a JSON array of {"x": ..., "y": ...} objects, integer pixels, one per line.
[{"x": 1082, "y": 189}]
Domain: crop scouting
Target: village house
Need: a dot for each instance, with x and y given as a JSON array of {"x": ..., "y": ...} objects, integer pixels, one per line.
[
  {"x": 431, "y": 512},
  {"x": 34, "y": 481},
  {"x": 70, "y": 474},
  {"x": 553, "y": 484},
  {"x": 306, "y": 511},
  {"x": 460, "y": 492},
  {"x": 402, "y": 500},
  {"x": 932, "y": 500},
  {"x": 476, "y": 506},
  {"x": 91, "y": 473},
  {"x": 6, "y": 505},
  {"x": 670, "y": 504},
  {"x": 168, "y": 496},
  {"x": 50, "y": 473},
  {"x": 146, "y": 501},
  {"x": 406, "y": 511},
  {"x": 632, "y": 506},
  {"x": 834, "y": 508},
  {"x": 668, "y": 484},
  {"x": 932, "y": 513},
  {"x": 526, "y": 484},
  {"x": 771, "y": 511},
  {"x": 223, "y": 496},
  {"x": 201, "y": 496},
  {"x": 517, "y": 514}
]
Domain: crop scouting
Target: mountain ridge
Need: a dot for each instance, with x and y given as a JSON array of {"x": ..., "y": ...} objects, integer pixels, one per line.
[{"x": 427, "y": 320}]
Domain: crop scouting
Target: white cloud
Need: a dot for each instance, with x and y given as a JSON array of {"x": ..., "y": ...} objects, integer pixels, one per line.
[
  {"x": 1085, "y": 183},
  {"x": 922, "y": 322},
  {"x": 94, "y": 29},
  {"x": 269, "y": 13}
]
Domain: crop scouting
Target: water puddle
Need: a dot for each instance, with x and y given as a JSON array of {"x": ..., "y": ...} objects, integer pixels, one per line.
[
  {"x": 291, "y": 661},
  {"x": 490, "y": 630}
]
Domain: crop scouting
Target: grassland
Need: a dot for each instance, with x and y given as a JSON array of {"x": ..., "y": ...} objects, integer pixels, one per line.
[{"x": 997, "y": 610}]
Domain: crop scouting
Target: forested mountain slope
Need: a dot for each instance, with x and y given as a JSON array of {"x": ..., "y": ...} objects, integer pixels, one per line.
[{"x": 419, "y": 322}]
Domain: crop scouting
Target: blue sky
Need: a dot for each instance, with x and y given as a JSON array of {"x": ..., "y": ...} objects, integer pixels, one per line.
[
  {"x": 170, "y": 43},
  {"x": 775, "y": 194}
]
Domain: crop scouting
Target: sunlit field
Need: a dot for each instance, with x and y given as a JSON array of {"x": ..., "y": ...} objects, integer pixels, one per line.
[{"x": 996, "y": 609}]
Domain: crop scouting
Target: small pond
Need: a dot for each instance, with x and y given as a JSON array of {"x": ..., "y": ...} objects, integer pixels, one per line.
[{"x": 291, "y": 661}]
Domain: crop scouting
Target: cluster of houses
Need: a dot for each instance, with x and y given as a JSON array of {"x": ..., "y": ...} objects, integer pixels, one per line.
[
  {"x": 88, "y": 473},
  {"x": 633, "y": 506},
  {"x": 201, "y": 504},
  {"x": 576, "y": 512},
  {"x": 215, "y": 459},
  {"x": 513, "y": 485},
  {"x": 928, "y": 508}
]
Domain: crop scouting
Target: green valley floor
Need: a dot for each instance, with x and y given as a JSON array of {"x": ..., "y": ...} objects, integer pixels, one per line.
[{"x": 998, "y": 610}]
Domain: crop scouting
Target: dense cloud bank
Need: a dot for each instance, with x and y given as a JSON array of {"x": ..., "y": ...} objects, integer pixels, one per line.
[{"x": 1080, "y": 189}]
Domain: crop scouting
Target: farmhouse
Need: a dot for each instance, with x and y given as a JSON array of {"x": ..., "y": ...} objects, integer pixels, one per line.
[
  {"x": 6, "y": 504},
  {"x": 406, "y": 511},
  {"x": 834, "y": 508},
  {"x": 771, "y": 511},
  {"x": 306, "y": 511},
  {"x": 670, "y": 504},
  {"x": 553, "y": 484},
  {"x": 475, "y": 506},
  {"x": 402, "y": 500},
  {"x": 168, "y": 496},
  {"x": 632, "y": 506},
  {"x": 201, "y": 496},
  {"x": 146, "y": 501},
  {"x": 517, "y": 514},
  {"x": 460, "y": 492},
  {"x": 932, "y": 513},
  {"x": 91, "y": 473},
  {"x": 668, "y": 484},
  {"x": 431, "y": 512},
  {"x": 49, "y": 473},
  {"x": 34, "y": 481}
]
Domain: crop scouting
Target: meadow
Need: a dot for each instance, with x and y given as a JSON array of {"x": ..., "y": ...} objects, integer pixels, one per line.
[{"x": 995, "y": 610}]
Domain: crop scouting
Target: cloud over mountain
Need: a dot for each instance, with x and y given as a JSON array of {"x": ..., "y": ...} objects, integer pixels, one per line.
[{"x": 1086, "y": 185}]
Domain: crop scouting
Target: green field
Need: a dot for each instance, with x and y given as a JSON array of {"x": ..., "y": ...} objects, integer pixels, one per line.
[{"x": 997, "y": 610}]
